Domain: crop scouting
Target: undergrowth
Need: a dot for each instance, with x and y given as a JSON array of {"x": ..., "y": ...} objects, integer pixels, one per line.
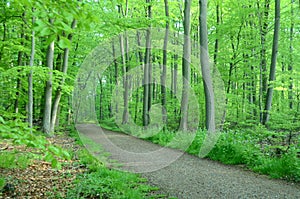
[{"x": 18, "y": 133}]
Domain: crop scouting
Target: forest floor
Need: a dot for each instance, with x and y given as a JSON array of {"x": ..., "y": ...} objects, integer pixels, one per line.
[
  {"x": 39, "y": 179},
  {"x": 185, "y": 176}
]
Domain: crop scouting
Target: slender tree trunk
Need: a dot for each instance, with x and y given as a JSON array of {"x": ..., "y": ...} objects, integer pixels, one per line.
[
  {"x": 175, "y": 74},
  {"x": 273, "y": 63},
  {"x": 101, "y": 114},
  {"x": 164, "y": 67},
  {"x": 263, "y": 19},
  {"x": 48, "y": 91},
  {"x": 186, "y": 66},
  {"x": 30, "y": 83},
  {"x": 116, "y": 74},
  {"x": 217, "y": 31},
  {"x": 290, "y": 67},
  {"x": 125, "y": 86},
  {"x": 205, "y": 68},
  {"x": 147, "y": 61},
  {"x": 59, "y": 89},
  {"x": 20, "y": 60}
]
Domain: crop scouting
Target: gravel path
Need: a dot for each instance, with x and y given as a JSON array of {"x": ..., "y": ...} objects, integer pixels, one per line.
[{"x": 185, "y": 176}]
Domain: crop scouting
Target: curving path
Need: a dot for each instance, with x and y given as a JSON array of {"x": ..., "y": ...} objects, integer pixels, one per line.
[{"x": 186, "y": 176}]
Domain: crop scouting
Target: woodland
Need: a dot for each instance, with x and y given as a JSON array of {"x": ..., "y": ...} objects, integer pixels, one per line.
[{"x": 236, "y": 73}]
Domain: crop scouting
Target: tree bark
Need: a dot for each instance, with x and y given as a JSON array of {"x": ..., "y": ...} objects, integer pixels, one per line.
[
  {"x": 263, "y": 20},
  {"x": 164, "y": 67},
  {"x": 291, "y": 62},
  {"x": 30, "y": 83},
  {"x": 20, "y": 60},
  {"x": 273, "y": 63},
  {"x": 217, "y": 30},
  {"x": 205, "y": 68},
  {"x": 116, "y": 74},
  {"x": 147, "y": 76},
  {"x": 186, "y": 71},
  {"x": 48, "y": 91},
  {"x": 59, "y": 89}
]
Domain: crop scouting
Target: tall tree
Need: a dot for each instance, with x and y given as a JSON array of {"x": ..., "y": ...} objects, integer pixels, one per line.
[
  {"x": 48, "y": 91},
  {"x": 290, "y": 66},
  {"x": 263, "y": 20},
  {"x": 186, "y": 70},
  {"x": 164, "y": 66},
  {"x": 30, "y": 83},
  {"x": 205, "y": 68},
  {"x": 147, "y": 71},
  {"x": 58, "y": 93},
  {"x": 273, "y": 63}
]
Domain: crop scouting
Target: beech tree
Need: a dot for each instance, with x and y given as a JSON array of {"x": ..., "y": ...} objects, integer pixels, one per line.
[
  {"x": 186, "y": 71},
  {"x": 273, "y": 63},
  {"x": 205, "y": 68}
]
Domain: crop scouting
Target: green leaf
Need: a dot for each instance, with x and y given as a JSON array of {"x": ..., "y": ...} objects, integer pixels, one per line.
[
  {"x": 2, "y": 120},
  {"x": 49, "y": 157},
  {"x": 53, "y": 149},
  {"x": 66, "y": 154},
  {"x": 55, "y": 164},
  {"x": 45, "y": 32},
  {"x": 64, "y": 43}
]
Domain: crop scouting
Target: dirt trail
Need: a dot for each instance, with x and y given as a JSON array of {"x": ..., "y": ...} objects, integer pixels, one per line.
[{"x": 185, "y": 176}]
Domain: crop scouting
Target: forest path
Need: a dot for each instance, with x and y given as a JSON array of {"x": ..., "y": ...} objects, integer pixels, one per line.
[{"x": 188, "y": 176}]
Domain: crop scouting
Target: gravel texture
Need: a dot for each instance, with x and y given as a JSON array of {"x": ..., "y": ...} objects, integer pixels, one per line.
[{"x": 186, "y": 176}]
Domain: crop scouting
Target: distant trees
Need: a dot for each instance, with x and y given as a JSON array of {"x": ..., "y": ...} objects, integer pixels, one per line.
[{"x": 43, "y": 45}]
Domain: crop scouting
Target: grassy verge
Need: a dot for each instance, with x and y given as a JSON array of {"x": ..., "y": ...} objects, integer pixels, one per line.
[{"x": 258, "y": 149}]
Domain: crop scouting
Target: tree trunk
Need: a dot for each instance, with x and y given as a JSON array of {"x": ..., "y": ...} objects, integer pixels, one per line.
[
  {"x": 30, "y": 83},
  {"x": 263, "y": 20},
  {"x": 48, "y": 91},
  {"x": 205, "y": 68},
  {"x": 116, "y": 74},
  {"x": 273, "y": 63},
  {"x": 217, "y": 31},
  {"x": 147, "y": 60},
  {"x": 164, "y": 67},
  {"x": 186, "y": 71},
  {"x": 59, "y": 89},
  {"x": 20, "y": 60},
  {"x": 290, "y": 66},
  {"x": 125, "y": 86}
]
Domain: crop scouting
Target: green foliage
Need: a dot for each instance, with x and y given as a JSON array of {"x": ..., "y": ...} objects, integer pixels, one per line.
[
  {"x": 162, "y": 138},
  {"x": 14, "y": 159},
  {"x": 106, "y": 183},
  {"x": 89, "y": 160},
  {"x": 20, "y": 134},
  {"x": 286, "y": 166},
  {"x": 2, "y": 183}
]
